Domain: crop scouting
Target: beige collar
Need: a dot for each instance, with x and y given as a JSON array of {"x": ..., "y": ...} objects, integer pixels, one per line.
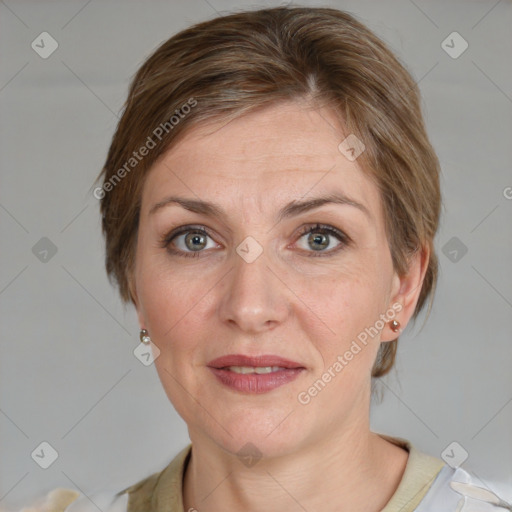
[{"x": 162, "y": 492}]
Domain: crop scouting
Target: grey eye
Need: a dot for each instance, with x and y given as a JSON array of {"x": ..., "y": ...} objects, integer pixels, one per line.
[
  {"x": 195, "y": 241},
  {"x": 192, "y": 240},
  {"x": 318, "y": 241}
]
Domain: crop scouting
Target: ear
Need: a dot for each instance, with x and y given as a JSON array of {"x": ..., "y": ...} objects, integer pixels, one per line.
[{"x": 406, "y": 292}]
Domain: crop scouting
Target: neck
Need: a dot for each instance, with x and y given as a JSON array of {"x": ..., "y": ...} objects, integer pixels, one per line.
[{"x": 335, "y": 473}]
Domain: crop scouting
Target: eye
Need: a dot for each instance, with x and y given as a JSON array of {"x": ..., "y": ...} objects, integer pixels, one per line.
[
  {"x": 320, "y": 237},
  {"x": 189, "y": 241}
]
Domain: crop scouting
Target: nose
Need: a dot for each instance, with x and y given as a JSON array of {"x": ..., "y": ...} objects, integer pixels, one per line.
[{"x": 254, "y": 299}]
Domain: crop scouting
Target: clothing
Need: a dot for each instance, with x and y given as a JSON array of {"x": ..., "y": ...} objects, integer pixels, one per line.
[{"x": 425, "y": 487}]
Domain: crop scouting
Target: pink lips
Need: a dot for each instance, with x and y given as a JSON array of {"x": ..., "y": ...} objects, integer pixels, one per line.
[{"x": 253, "y": 382}]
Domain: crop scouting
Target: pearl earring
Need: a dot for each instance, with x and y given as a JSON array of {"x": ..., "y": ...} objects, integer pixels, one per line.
[
  {"x": 144, "y": 337},
  {"x": 394, "y": 325}
]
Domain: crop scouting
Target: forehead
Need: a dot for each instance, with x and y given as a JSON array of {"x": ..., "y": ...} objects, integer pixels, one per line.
[{"x": 288, "y": 150}]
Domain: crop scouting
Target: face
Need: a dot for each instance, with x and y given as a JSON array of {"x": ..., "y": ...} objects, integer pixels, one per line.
[{"x": 230, "y": 262}]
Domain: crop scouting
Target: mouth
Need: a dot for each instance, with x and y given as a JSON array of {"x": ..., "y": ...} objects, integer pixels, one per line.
[
  {"x": 260, "y": 370},
  {"x": 254, "y": 374},
  {"x": 263, "y": 361}
]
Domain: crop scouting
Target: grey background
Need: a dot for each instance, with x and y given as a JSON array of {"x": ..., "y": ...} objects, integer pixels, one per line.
[{"x": 68, "y": 373}]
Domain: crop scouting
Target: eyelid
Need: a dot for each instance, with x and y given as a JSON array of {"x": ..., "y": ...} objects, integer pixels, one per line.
[
  {"x": 341, "y": 236},
  {"x": 317, "y": 226},
  {"x": 344, "y": 240},
  {"x": 166, "y": 239}
]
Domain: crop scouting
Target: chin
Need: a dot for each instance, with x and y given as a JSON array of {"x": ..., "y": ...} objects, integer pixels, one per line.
[{"x": 266, "y": 432}]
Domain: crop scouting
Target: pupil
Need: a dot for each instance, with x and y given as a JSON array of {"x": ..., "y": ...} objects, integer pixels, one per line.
[
  {"x": 197, "y": 241},
  {"x": 319, "y": 239}
]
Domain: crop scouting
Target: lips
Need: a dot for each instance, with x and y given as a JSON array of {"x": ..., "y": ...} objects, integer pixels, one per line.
[
  {"x": 254, "y": 374},
  {"x": 253, "y": 361}
]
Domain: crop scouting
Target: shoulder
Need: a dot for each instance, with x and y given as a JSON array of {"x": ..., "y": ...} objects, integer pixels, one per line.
[
  {"x": 455, "y": 490},
  {"x": 69, "y": 500},
  {"x": 430, "y": 485},
  {"x": 106, "y": 501},
  {"x": 164, "y": 487},
  {"x": 149, "y": 494}
]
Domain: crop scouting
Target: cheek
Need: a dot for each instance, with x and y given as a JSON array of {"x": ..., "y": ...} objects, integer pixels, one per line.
[
  {"x": 178, "y": 311},
  {"x": 341, "y": 310},
  {"x": 169, "y": 301},
  {"x": 174, "y": 315},
  {"x": 353, "y": 306},
  {"x": 348, "y": 351},
  {"x": 350, "y": 294},
  {"x": 158, "y": 290}
]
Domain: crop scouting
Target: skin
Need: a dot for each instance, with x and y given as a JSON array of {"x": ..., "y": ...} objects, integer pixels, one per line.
[{"x": 288, "y": 303}]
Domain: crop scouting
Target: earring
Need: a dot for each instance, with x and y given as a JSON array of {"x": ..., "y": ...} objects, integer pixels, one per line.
[
  {"x": 394, "y": 325},
  {"x": 144, "y": 337}
]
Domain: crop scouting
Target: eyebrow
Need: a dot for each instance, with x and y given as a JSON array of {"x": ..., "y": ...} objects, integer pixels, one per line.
[{"x": 290, "y": 210}]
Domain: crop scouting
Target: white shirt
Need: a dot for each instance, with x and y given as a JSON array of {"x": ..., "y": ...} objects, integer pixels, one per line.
[{"x": 441, "y": 497}]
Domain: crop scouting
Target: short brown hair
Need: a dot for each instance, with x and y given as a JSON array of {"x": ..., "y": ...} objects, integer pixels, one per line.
[{"x": 231, "y": 65}]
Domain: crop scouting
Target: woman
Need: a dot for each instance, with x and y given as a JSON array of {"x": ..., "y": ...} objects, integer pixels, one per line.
[{"x": 269, "y": 202}]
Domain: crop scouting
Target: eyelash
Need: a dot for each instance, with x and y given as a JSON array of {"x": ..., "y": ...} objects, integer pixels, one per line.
[{"x": 320, "y": 228}]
